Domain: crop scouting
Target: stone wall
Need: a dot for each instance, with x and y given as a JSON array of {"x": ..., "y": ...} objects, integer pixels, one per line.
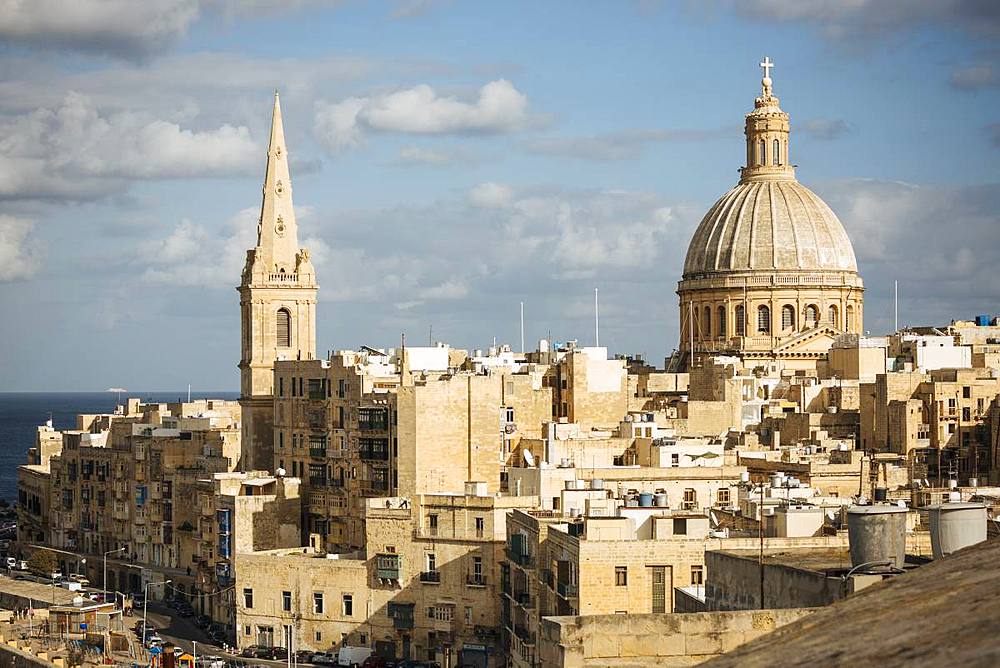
[{"x": 652, "y": 640}]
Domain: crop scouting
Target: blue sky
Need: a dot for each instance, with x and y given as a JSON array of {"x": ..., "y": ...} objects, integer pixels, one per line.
[{"x": 451, "y": 159}]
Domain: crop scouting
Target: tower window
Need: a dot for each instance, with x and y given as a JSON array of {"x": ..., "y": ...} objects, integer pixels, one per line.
[
  {"x": 831, "y": 315},
  {"x": 762, "y": 152},
  {"x": 740, "y": 321},
  {"x": 722, "y": 321},
  {"x": 707, "y": 324},
  {"x": 284, "y": 326},
  {"x": 776, "y": 159},
  {"x": 763, "y": 320},
  {"x": 812, "y": 316},
  {"x": 787, "y": 316}
]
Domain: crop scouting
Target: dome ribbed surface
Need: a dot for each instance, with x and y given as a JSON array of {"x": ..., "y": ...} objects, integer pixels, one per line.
[{"x": 777, "y": 225}]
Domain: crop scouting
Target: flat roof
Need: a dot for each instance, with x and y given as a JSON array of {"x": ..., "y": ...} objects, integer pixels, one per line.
[{"x": 815, "y": 559}]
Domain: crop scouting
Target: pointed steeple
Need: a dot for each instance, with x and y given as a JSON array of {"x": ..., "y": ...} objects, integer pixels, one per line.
[{"x": 277, "y": 233}]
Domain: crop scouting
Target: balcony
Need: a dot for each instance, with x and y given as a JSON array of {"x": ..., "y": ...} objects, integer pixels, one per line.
[
  {"x": 318, "y": 453},
  {"x": 566, "y": 589},
  {"x": 378, "y": 453},
  {"x": 524, "y": 635},
  {"x": 431, "y": 577},
  {"x": 519, "y": 558},
  {"x": 474, "y": 580},
  {"x": 387, "y": 566},
  {"x": 524, "y": 600},
  {"x": 317, "y": 481}
]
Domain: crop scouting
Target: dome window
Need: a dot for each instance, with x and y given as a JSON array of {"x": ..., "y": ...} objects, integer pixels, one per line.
[
  {"x": 776, "y": 158},
  {"x": 831, "y": 315},
  {"x": 812, "y": 316},
  {"x": 787, "y": 316},
  {"x": 722, "y": 322},
  {"x": 850, "y": 319},
  {"x": 763, "y": 320},
  {"x": 762, "y": 153},
  {"x": 741, "y": 322},
  {"x": 707, "y": 323}
]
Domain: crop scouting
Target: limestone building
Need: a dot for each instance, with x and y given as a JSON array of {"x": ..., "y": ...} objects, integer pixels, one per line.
[
  {"x": 277, "y": 302},
  {"x": 770, "y": 273}
]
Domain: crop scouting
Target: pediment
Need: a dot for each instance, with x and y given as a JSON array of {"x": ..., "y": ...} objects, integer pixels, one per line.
[{"x": 817, "y": 340}]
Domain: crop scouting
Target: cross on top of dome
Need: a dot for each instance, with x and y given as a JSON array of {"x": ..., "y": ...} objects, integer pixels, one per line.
[{"x": 766, "y": 65}]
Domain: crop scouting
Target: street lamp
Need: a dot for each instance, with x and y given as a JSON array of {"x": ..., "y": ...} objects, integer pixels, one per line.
[
  {"x": 145, "y": 602},
  {"x": 104, "y": 577}
]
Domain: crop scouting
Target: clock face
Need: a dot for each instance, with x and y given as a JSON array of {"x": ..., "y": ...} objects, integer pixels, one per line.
[{"x": 279, "y": 227}]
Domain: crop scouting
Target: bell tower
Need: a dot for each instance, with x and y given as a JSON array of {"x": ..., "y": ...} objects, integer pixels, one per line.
[{"x": 277, "y": 303}]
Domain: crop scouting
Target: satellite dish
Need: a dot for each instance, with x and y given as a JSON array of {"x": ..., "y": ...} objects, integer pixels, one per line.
[{"x": 529, "y": 460}]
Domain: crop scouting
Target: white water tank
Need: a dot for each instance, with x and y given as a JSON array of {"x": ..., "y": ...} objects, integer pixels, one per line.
[
  {"x": 877, "y": 533},
  {"x": 956, "y": 525},
  {"x": 597, "y": 483}
]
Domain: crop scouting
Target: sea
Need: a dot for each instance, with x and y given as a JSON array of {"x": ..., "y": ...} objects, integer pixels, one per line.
[{"x": 22, "y": 412}]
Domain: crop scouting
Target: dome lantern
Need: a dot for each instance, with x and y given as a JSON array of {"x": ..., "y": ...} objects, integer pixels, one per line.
[{"x": 766, "y": 131}]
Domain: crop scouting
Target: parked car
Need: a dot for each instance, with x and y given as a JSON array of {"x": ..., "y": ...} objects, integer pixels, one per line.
[
  {"x": 256, "y": 652},
  {"x": 153, "y": 639},
  {"x": 278, "y": 654},
  {"x": 380, "y": 662},
  {"x": 414, "y": 663},
  {"x": 79, "y": 579},
  {"x": 324, "y": 659},
  {"x": 185, "y": 611},
  {"x": 304, "y": 656},
  {"x": 202, "y": 621},
  {"x": 352, "y": 656}
]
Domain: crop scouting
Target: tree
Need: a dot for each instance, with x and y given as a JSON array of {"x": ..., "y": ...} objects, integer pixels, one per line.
[{"x": 43, "y": 562}]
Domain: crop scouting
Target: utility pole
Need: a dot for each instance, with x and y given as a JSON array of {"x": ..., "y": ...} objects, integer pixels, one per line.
[{"x": 760, "y": 532}]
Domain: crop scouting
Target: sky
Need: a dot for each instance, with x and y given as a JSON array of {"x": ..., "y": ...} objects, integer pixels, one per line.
[{"x": 451, "y": 159}]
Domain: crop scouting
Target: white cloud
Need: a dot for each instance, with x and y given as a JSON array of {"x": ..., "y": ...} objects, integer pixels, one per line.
[
  {"x": 974, "y": 77},
  {"x": 450, "y": 289},
  {"x": 20, "y": 255},
  {"x": 419, "y": 155},
  {"x": 498, "y": 108},
  {"x": 76, "y": 151},
  {"x": 824, "y": 128},
  {"x": 490, "y": 195},
  {"x": 110, "y": 26},
  {"x": 621, "y": 145}
]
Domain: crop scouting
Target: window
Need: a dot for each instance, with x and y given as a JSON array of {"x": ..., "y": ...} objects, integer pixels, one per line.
[
  {"x": 787, "y": 316},
  {"x": 318, "y": 602},
  {"x": 286, "y": 601},
  {"x": 480, "y": 527},
  {"x": 444, "y": 613},
  {"x": 432, "y": 524},
  {"x": 477, "y": 570},
  {"x": 675, "y": 459},
  {"x": 812, "y": 316},
  {"x": 318, "y": 636},
  {"x": 722, "y": 496},
  {"x": 621, "y": 576},
  {"x": 248, "y": 598},
  {"x": 348, "y": 605},
  {"x": 707, "y": 323},
  {"x": 761, "y": 153},
  {"x": 246, "y": 630},
  {"x": 508, "y": 414},
  {"x": 431, "y": 562},
  {"x": 763, "y": 320},
  {"x": 831, "y": 315},
  {"x": 680, "y": 526},
  {"x": 776, "y": 158},
  {"x": 722, "y": 321},
  {"x": 690, "y": 498},
  {"x": 698, "y": 575},
  {"x": 284, "y": 326},
  {"x": 468, "y": 614},
  {"x": 281, "y": 386},
  {"x": 966, "y": 392},
  {"x": 850, "y": 318},
  {"x": 740, "y": 321}
]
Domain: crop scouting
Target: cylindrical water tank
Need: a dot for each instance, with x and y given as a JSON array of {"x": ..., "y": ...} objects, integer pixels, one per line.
[
  {"x": 777, "y": 479},
  {"x": 597, "y": 483},
  {"x": 645, "y": 500},
  {"x": 881, "y": 494},
  {"x": 745, "y": 476},
  {"x": 956, "y": 525},
  {"x": 877, "y": 534},
  {"x": 660, "y": 501},
  {"x": 952, "y": 484}
]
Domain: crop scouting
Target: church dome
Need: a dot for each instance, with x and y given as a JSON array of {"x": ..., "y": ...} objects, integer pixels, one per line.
[{"x": 769, "y": 224}]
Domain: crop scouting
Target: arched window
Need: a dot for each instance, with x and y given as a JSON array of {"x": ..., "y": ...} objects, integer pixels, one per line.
[
  {"x": 763, "y": 320},
  {"x": 762, "y": 152},
  {"x": 722, "y": 322},
  {"x": 812, "y": 316},
  {"x": 741, "y": 321},
  {"x": 850, "y": 319},
  {"x": 706, "y": 323},
  {"x": 776, "y": 159},
  {"x": 284, "y": 328},
  {"x": 787, "y": 316},
  {"x": 831, "y": 315}
]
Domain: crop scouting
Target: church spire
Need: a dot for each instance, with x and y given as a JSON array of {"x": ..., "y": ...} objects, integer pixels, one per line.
[
  {"x": 767, "y": 130},
  {"x": 277, "y": 233}
]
